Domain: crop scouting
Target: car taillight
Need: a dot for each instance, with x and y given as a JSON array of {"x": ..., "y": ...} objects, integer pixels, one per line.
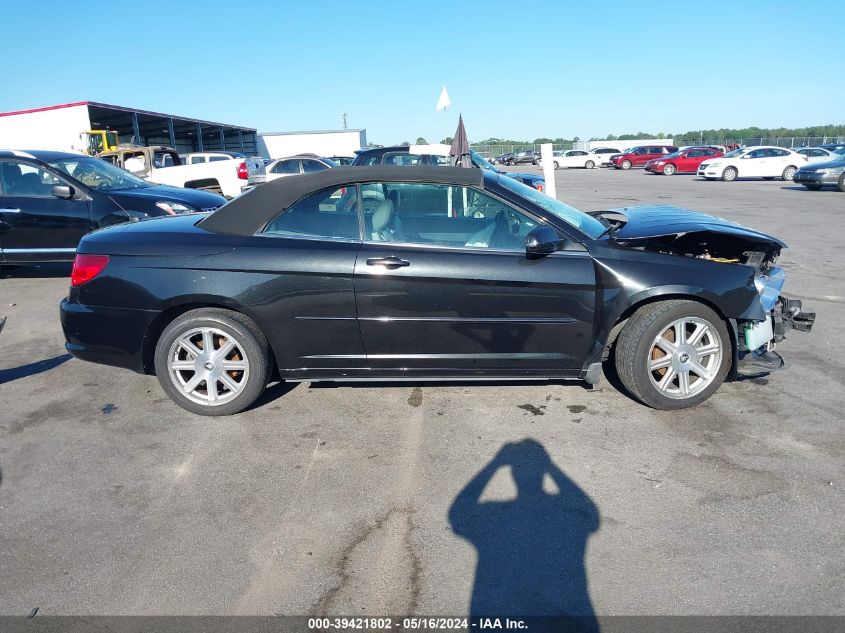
[
  {"x": 539, "y": 187},
  {"x": 243, "y": 172},
  {"x": 86, "y": 267}
]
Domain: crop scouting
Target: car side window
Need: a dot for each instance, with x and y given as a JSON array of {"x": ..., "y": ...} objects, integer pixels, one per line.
[
  {"x": 286, "y": 167},
  {"x": 444, "y": 215},
  {"x": 197, "y": 159},
  {"x": 330, "y": 213},
  {"x": 311, "y": 166},
  {"x": 214, "y": 159},
  {"x": 402, "y": 158},
  {"x": 22, "y": 180},
  {"x": 757, "y": 153}
]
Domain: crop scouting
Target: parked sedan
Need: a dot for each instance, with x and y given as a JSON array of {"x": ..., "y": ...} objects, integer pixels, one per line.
[
  {"x": 577, "y": 158},
  {"x": 753, "y": 162},
  {"x": 458, "y": 273},
  {"x": 818, "y": 175},
  {"x": 604, "y": 154},
  {"x": 817, "y": 154},
  {"x": 295, "y": 165},
  {"x": 49, "y": 200},
  {"x": 639, "y": 156},
  {"x": 501, "y": 159},
  {"x": 684, "y": 161}
]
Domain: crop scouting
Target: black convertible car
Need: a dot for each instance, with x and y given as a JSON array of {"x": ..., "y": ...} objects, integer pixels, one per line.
[{"x": 426, "y": 273}]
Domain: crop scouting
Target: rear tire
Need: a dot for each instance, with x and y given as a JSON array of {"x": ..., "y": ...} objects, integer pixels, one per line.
[
  {"x": 225, "y": 380},
  {"x": 669, "y": 169},
  {"x": 730, "y": 174},
  {"x": 589, "y": 164},
  {"x": 789, "y": 173},
  {"x": 841, "y": 183},
  {"x": 626, "y": 164},
  {"x": 673, "y": 354}
]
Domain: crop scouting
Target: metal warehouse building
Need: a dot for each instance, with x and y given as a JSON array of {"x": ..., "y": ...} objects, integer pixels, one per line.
[{"x": 62, "y": 127}]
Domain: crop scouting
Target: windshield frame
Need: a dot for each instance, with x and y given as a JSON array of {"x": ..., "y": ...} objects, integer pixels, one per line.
[
  {"x": 574, "y": 218},
  {"x": 122, "y": 180}
]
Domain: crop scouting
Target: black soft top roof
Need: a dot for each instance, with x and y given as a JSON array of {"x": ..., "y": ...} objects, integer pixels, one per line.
[{"x": 248, "y": 213}]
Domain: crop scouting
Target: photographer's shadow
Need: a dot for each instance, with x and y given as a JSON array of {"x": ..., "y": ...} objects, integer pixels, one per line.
[{"x": 530, "y": 549}]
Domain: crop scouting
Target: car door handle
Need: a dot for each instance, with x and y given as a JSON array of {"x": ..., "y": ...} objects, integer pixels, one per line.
[
  {"x": 388, "y": 262},
  {"x": 9, "y": 210}
]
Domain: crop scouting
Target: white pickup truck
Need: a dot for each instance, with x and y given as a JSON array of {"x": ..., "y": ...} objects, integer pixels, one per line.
[{"x": 230, "y": 174}]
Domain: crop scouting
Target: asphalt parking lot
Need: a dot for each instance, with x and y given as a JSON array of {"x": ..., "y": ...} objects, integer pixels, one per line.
[{"x": 367, "y": 500}]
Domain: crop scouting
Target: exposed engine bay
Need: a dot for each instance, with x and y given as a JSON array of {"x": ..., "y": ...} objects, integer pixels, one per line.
[
  {"x": 717, "y": 247},
  {"x": 705, "y": 237}
]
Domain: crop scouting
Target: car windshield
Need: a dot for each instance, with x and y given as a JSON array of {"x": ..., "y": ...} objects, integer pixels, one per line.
[
  {"x": 739, "y": 151},
  {"x": 587, "y": 224},
  {"x": 840, "y": 151},
  {"x": 98, "y": 174}
]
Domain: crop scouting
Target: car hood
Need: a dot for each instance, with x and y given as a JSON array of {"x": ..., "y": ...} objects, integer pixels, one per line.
[
  {"x": 657, "y": 221},
  {"x": 193, "y": 197},
  {"x": 828, "y": 164}
]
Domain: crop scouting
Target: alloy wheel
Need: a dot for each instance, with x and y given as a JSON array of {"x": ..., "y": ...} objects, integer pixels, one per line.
[
  {"x": 208, "y": 366},
  {"x": 685, "y": 358}
]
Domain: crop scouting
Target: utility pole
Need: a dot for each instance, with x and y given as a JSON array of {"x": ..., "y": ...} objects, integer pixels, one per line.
[{"x": 344, "y": 115}]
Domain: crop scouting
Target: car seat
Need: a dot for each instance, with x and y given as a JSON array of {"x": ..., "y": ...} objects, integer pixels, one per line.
[
  {"x": 382, "y": 222},
  {"x": 12, "y": 179}
]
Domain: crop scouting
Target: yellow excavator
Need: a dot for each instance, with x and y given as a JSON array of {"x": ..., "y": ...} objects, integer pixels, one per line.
[{"x": 100, "y": 141}]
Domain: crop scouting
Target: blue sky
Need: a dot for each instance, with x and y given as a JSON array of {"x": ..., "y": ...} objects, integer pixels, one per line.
[{"x": 524, "y": 69}]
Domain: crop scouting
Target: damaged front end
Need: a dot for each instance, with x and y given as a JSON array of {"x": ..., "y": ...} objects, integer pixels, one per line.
[
  {"x": 691, "y": 234},
  {"x": 757, "y": 339}
]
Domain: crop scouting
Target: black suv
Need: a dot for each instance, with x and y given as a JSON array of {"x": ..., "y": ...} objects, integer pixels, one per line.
[
  {"x": 49, "y": 200},
  {"x": 523, "y": 158}
]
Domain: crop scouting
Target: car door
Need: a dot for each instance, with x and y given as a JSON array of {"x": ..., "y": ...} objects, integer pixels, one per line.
[
  {"x": 306, "y": 257},
  {"x": 35, "y": 225},
  {"x": 688, "y": 161},
  {"x": 755, "y": 164},
  {"x": 443, "y": 285}
]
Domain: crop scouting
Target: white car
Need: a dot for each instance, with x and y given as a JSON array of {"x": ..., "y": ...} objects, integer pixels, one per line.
[
  {"x": 753, "y": 162},
  {"x": 582, "y": 158},
  {"x": 818, "y": 154},
  {"x": 295, "y": 165}
]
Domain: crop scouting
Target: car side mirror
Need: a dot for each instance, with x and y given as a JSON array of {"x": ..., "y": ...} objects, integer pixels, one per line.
[
  {"x": 542, "y": 240},
  {"x": 65, "y": 192}
]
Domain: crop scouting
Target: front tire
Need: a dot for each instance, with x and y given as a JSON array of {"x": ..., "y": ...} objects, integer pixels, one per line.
[
  {"x": 789, "y": 173},
  {"x": 730, "y": 174},
  {"x": 589, "y": 164},
  {"x": 841, "y": 183},
  {"x": 669, "y": 169},
  {"x": 626, "y": 164},
  {"x": 212, "y": 361},
  {"x": 812, "y": 186},
  {"x": 673, "y": 354}
]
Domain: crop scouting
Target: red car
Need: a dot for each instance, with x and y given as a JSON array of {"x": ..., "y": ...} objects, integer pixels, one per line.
[
  {"x": 639, "y": 156},
  {"x": 682, "y": 162}
]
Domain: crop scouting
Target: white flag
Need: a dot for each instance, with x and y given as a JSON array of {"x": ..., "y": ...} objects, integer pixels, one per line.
[{"x": 443, "y": 102}]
